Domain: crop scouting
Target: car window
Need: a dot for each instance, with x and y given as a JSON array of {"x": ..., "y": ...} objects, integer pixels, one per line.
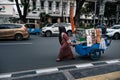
[
  {"x": 68, "y": 24},
  {"x": 115, "y": 27},
  {"x": 30, "y": 25},
  {"x": 9, "y": 26},
  {"x": 48, "y": 25},
  {"x": 17, "y": 26},
  {"x": 57, "y": 25},
  {"x": 12, "y": 26},
  {"x": 61, "y": 24},
  {"x": 4, "y": 26}
]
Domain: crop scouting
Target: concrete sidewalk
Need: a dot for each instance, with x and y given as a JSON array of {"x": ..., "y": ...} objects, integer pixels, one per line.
[
  {"x": 102, "y": 70},
  {"x": 108, "y": 76}
]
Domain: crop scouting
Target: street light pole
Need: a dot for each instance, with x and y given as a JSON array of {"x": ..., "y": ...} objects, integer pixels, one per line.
[
  {"x": 117, "y": 16},
  {"x": 94, "y": 13},
  {"x": 101, "y": 12},
  {"x": 118, "y": 10}
]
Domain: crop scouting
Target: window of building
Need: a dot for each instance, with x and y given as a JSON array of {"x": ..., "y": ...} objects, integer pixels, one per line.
[
  {"x": 38, "y": 9},
  {"x": 64, "y": 5},
  {"x": 42, "y": 4},
  {"x": 57, "y": 5},
  {"x": 31, "y": 21},
  {"x": 50, "y": 5},
  {"x": 34, "y": 12}
]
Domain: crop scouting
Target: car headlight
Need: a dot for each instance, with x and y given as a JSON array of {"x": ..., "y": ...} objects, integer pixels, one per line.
[
  {"x": 43, "y": 28},
  {"x": 109, "y": 31}
]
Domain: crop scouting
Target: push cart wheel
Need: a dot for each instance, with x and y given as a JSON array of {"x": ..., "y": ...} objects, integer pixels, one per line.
[{"x": 95, "y": 54}]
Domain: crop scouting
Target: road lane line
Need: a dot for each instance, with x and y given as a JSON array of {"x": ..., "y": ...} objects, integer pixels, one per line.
[
  {"x": 15, "y": 43},
  {"x": 55, "y": 69},
  {"x": 5, "y": 76},
  {"x": 112, "y": 61},
  {"x": 46, "y": 70},
  {"x": 84, "y": 65}
]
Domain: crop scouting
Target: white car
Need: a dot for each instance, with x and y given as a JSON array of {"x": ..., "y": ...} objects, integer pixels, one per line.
[
  {"x": 51, "y": 29},
  {"x": 114, "y": 32}
]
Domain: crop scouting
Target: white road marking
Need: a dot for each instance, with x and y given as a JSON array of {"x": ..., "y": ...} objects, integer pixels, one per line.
[
  {"x": 47, "y": 70},
  {"x": 15, "y": 43},
  {"x": 5, "y": 76},
  {"x": 84, "y": 65},
  {"x": 112, "y": 61}
]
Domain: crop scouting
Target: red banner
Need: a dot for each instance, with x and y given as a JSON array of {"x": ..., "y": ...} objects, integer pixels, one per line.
[{"x": 72, "y": 19}]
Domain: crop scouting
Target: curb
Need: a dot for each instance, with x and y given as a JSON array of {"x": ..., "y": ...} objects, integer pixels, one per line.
[{"x": 59, "y": 68}]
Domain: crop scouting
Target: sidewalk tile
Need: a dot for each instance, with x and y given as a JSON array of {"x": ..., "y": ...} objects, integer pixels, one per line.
[{"x": 108, "y": 76}]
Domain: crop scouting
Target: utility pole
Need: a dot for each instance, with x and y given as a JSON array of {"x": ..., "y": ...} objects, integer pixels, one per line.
[
  {"x": 62, "y": 11},
  {"x": 117, "y": 16},
  {"x": 118, "y": 10},
  {"x": 101, "y": 12},
  {"x": 94, "y": 16}
]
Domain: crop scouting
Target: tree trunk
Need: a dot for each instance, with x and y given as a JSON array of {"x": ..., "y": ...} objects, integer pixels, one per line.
[
  {"x": 34, "y": 4},
  {"x": 26, "y": 6},
  {"x": 18, "y": 9},
  {"x": 79, "y": 4}
]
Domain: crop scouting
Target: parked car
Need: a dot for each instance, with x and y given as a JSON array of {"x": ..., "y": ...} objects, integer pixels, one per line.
[
  {"x": 52, "y": 28},
  {"x": 13, "y": 31},
  {"x": 33, "y": 28},
  {"x": 114, "y": 31}
]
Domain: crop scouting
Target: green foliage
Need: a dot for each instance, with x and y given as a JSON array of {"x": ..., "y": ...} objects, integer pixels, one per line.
[
  {"x": 85, "y": 25},
  {"x": 43, "y": 17},
  {"x": 90, "y": 7},
  {"x": 110, "y": 9}
]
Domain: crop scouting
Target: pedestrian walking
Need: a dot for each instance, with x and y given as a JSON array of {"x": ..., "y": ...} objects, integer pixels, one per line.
[{"x": 65, "y": 49}]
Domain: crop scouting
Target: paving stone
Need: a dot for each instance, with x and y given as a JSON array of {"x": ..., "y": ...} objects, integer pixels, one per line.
[{"x": 81, "y": 73}]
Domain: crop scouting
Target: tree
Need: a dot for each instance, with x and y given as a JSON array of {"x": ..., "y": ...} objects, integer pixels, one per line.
[
  {"x": 110, "y": 9},
  {"x": 25, "y": 4},
  {"x": 44, "y": 18},
  {"x": 89, "y": 7},
  {"x": 79, "y": 4},
  {"x": 34, "y": 4}
]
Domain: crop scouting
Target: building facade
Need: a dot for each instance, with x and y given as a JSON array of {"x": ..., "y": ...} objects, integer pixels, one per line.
[
  {"x": 6, "y": 11},
  {"x": 55, "y": 8},
  {"x": 59, "y": 9}
]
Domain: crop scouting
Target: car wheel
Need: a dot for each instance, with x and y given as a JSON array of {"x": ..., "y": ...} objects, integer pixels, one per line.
[
  {"x": 95, "y": 54},
  {"x": 69, "y": 33},
  {"x": 48, "y": 34},
  {"x": 18, "y": 37},
  {"x": 116, "y": 36}
]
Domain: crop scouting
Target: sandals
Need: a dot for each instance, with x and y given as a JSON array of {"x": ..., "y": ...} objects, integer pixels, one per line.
[{"x": 58, "y": 60}]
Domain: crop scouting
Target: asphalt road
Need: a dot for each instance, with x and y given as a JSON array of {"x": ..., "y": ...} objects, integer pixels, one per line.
[{"x": 41, "y": 52}]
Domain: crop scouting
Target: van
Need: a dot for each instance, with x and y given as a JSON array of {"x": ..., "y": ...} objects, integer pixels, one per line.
[{"x": 13, "y": 31}]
